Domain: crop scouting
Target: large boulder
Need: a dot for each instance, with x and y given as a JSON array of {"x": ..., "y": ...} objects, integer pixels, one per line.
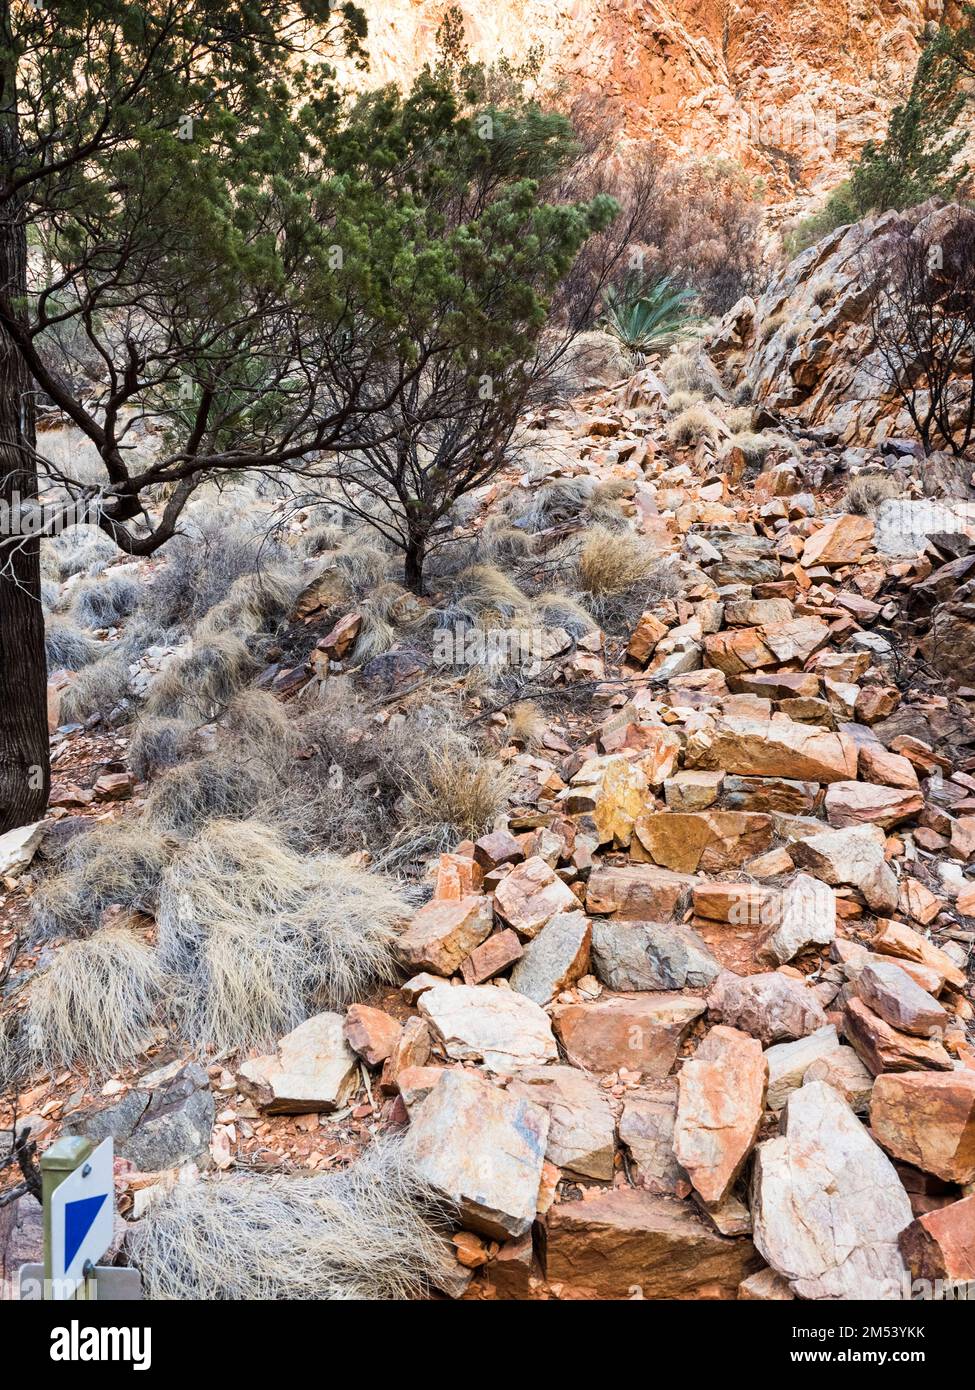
[
  {"x": 481, "y": 1151},
  {"x": 772, "y": 1007},
  {"x": 627, "y": 1243},
  {"x": 651, "y": 955},
  {"x": 827, "y": 1204}
]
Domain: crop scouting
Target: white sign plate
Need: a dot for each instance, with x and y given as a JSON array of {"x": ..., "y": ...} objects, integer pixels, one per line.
[{"x": 82, "y": 1220}]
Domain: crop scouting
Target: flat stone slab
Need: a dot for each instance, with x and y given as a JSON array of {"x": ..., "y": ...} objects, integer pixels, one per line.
[
  {"x": 313, "y": 1069},
  {"x": 640, "y": 1032},
  {"x": 484, "y": 1023},
  {"x": 581, "y": 1131}
]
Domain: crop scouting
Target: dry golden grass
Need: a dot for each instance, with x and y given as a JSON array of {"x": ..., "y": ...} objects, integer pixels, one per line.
[
  {"x": 865, "y": 493},
  {"x": 694, "y": 423},
  {"x": 95, "y": 1004},
  {"x": 116, "y": 865},
  {"x": 370, "y": 1232},
  {"x": 262, "y": 937},
  {"x": 201, "y": 683},
  {"x": 611, "y": 564}
]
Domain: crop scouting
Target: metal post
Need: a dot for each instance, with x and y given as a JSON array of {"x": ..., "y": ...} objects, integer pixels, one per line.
[{"x": 57, "y": 1163}]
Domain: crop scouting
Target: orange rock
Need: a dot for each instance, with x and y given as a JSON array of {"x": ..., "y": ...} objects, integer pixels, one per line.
[
  {"x": 927, "y": 1120},
  {"x": 719, "y": 1109},
  {"x": 709, "y": 841},
  {"x": 840, "y": 542}
]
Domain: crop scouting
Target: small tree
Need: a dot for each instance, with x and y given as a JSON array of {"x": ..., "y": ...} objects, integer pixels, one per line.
[
  {"x": 923, "y": 324},
  {"x": 479, "y": 257},
  {"x": 918, "y": 158}
]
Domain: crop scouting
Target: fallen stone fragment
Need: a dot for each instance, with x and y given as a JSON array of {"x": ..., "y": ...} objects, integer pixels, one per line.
[
  {"x": 883, "y": 1048},
  {"x": 457, "y": 877},
  {"x": 503, "y": 1029},
  {"x": 765, "y": 1287},
  {"x": 774, "y": 748},
  {"x": 18, "y": 847},
  {"x": 646, "y": 1128},
  {"x": 646, "y": 635},
  {"x": 705, "y": 841},
  {"x": 482, "y": 1151},
  {"x": 827, "y": 1204},
  {"x": 941, "y": 1245},
  {"x": 789, "y": 1062},
  {"x": 772, "y": 1007},
  {"x": 581, "y": 1129},
  {"x": 721, "y": 1094},
  {"x": 840, "y": 542},
  {"x": 878, "y": 764},
  {"x": 412, "y": 1050},
  {"x": 894, "y": 938},
  {"x": 492, "y": 957},
  {"x": 928, "y": 1119},
  {"x": 529, "y": 895},
  {"x": 853, "y": 857},
  {"x": 558, "y": 956},
  {"x": 769, "y": 794},
  {"x": 444, "y": 932},
  {"x": 886, "y": 989},
  {"x": 692, "y": 791},
  {"x": 865, "y": 803},
  {"x": 639, "y": 1032},
  {"x": 613, "y": 790},
  {"x": 843, "y": 1070},
  {"x": 371, "y": 1034},
  {"x": 795, "y": 639},
  {"x": 639, "y": 892},
  {"x": 499, "y": 847},
  {"x": 650, "y": 955},
  {"x": 738, "y": 904},
  {"x": 807, "y": 917},
  {"x": 628, "y": 1240},
  {"x": 313, "y": 1069}
]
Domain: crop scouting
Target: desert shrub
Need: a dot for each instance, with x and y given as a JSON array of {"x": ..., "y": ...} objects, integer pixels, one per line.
[
  {"x": 201, "y": 565},
  {"x": 692, "y": 370},
  {"x": 104, "y": 601},
  {"x": 81, "y": 550},
  {"x": 739, "y": 419},
  {"x": 111, "y": 866},
  {"x": 756, "y": 447},
  {"x": 648, "y": 313},
  {"x": 371, "y": 1231},
  {"x": 500, "y": 543},
  {"x": 227, "y": 784},
  {"x": 694, "y": 423},
  {"x": 619, "y": 576},
  {"x": 67, "y": 647},
  {"x": 160, "y": 743},
  {"x": 95, "y": 1003},
  {"x": 254, "y": 603},
  {"x": 453, "y": 793},
  {"x": 484, "y": 595},
  {"x": 594, "y": 358},
  {"x": 867, "y": 491},
  {"x": 260, "y": 724},
  {"x": 679, "y": 401},
  {"x": 203, "y": 681},
  {"x": 263, "y": 937},
  {"x": 99, "y": 689},
  {"x": 560, "y": 610},
  {"x": 526, "y": 726}
]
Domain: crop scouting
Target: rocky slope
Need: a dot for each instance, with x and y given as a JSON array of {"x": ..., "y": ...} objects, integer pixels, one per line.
[
  {"x": 790, "y": 90},
  {"x": 692, "y": 1019}
]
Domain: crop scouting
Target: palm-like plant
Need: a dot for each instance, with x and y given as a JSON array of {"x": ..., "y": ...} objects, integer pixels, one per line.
[{"x": 646, "y": 313}]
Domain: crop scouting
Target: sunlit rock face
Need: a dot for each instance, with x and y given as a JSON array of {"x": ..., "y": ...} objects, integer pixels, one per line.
[{"x": 790, "y": 88}]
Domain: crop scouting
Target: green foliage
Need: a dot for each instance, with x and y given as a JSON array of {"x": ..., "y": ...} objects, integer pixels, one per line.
[
  {"x": 918, "y": 157},
  {"x": 647, "y": 314}
]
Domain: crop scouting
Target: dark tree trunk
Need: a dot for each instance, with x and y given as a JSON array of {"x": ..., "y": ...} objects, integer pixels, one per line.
[
  {"x": 413, "y": 566},
  {"x": 24, "y": 749}
]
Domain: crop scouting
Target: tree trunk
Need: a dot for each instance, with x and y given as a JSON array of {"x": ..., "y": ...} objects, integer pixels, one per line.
[
  {"x": 413, "y": 566},
  {"x": 24, "y": 748}
]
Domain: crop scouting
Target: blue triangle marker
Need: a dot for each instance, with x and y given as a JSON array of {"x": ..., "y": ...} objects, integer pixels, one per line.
[{"x": 78, "y": 1220}]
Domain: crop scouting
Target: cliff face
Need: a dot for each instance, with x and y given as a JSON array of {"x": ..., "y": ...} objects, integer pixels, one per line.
[{"x": 790, "y": 88}]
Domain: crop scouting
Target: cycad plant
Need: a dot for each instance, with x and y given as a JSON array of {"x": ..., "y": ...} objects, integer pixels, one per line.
[{"x": 647, "y": 313}]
